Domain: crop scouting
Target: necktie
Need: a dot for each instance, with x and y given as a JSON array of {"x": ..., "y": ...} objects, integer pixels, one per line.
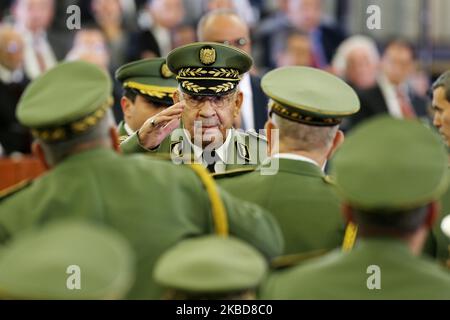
[
  {"x": 405, "y": 106},
  {"x": 210, "y": 159},
  {"x": 39, "y": 56}
]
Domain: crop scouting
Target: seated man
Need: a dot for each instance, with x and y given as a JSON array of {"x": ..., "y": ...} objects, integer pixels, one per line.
[
  {"x": 390, "y": 174},
  {"x": 153, "y": 203},
  {"x": 148, "y": 88},
  {"x": 207, "y": 102}
]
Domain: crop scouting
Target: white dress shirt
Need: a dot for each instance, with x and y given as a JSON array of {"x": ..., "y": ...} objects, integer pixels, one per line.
[
  {"x": 8, "y": 77},
  {"x": 247, "y": 114},
  {"x": 390, "y": 96},
  {"x": 35, "y": 42}
]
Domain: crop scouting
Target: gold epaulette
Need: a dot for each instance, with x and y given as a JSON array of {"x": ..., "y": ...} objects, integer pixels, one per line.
[{"x": 8, "y": 192}]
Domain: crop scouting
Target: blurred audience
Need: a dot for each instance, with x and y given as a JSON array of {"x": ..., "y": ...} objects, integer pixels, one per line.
[
  {"x": 294, "y": 49},
  {"x": 357, "y": 61},
  {"x": 108, "y": 16},
  {"x": 90, "y": 46},
  {"x": 13, "y": 137},
  {"x": 33, "y": 18},
  {"x": 225, "y": 26},
  {"x": 307, "y": 16},
  {"x": 392, "y": 93}
]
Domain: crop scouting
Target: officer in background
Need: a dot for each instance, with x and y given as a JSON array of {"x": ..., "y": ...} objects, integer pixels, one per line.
[
  {"x": 210, "y": 268},
  {"x": 67, "y": 260},
  {"x": 148, "y": 88},
  {"x": 207, "y": 103},
  {"x": 153, "y": 203},
  {"x": 439, "y": 241},
  {"x": 390, "y": 174},
  {"x": 303, "y": 110}
]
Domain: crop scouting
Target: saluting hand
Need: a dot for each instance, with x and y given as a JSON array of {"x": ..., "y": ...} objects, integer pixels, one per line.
[{"x": 158, "y": 127}]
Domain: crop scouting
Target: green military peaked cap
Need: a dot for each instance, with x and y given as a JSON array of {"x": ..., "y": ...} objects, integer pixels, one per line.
[
  {"x": 309, "y": 96},
  {"x": 39, "y": 264},
  {"x": 66, "y": 101},
  {"x": 210, "y": 264},
  {"x": 150, "y": 77},
  {"x": 208, "y": 68},
  {"x": 388, "y": 163}
]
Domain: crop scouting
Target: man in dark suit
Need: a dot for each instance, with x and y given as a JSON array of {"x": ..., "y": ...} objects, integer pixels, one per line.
[
  {"x": 13, "y": 137},
  {"x": 225, "y": 26},
  {"x": 391, "y": 94}
]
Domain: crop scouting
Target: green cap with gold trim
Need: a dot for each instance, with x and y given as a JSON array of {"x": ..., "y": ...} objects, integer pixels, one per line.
[
  {"x": 67, "y": 260},
  {"x": 66, "y": 101},
  {"x": 210, "y": 264},
  {"x": 208, "y": 68},
  {"x": 387, "y": 163},
  {"x": 149, "y": 77},
  {"x": 310, "y": 96}
]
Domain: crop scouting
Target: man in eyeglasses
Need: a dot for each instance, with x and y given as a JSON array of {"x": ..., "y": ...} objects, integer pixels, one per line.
[
  {"x": 199, "y": 127},
  {"x": 225, "y": 26}
]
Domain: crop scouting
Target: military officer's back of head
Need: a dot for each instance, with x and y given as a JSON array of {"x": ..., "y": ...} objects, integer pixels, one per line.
[
  {"x": 212, "y": 268},
  {"x": 307, "y": 105},
  {"x": 391, "y": 173},
  {"x": 66, "y": 260},
  {"x": 68, "y": 109},
  {"x": 148, "y": 86}
]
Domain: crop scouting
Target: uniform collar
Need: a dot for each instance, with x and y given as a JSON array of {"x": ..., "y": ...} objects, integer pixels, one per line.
[
  {"x": 295, "y": 157},
  {"x": 304, "y": 168},
  {"x": 221, "y": 152},
  {"x": 127, "y": 128}
]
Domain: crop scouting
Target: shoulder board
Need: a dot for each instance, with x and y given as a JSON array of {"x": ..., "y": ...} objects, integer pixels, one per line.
[
  {"x": 233, "y": 173},
  {"x": 292, "y": 260},
  {"x": 329, "y": 179},
  {"x": 8, "y": 192}
]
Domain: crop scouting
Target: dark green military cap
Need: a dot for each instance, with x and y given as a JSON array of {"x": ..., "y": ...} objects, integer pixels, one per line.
[
  {"x": 44, "y": 263},
  {"x": 66, "y": 101},
  {"x": 310, "y": 96},
  {"x": 210, "y": 264},
  {"x": 149, "y": 77},
  {"x": 208, "y": 68},
  {"x": 389, "y": 163}
]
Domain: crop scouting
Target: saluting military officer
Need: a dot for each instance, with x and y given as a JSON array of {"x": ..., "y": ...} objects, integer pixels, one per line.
[
  {"x": 207, "y": 103},
  {"x": 210, "y": 268},
  {"x": 67, "y": 260},
  {"x": 153, "y": 203},
  {"x": 439, "y": 241},
  {"x": 148, "y": 87},
  {"x": 306, "y": 107},
  {"x": 390, "y": 174}
]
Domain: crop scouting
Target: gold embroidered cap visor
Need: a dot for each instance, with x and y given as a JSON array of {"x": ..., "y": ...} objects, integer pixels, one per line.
[
  {"x": 309, "y": 96},
  {"x": 66, "y": 101},
  {"x": 149, "y": 77},
  {"x": 207, "y": 68}
]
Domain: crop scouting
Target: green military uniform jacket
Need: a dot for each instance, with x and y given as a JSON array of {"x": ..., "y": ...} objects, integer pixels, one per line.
[
  {"x": 243, "y": 151},
  {"x": 341, "y": 275},
  {"x": 153, "y": 203},
  {"x": 438, "y": 244},
  {"x": 300, "y": 198}
]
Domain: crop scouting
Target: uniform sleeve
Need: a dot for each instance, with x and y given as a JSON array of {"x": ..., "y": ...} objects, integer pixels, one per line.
[
  {"x": 254, "y": 225},
  {"x": 132, "y": 145}
]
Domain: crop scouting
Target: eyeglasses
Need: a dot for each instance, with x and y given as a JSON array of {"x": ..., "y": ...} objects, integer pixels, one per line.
[
  {"x": 236, "y": 43},
  {"x": 218, "y": 102}
]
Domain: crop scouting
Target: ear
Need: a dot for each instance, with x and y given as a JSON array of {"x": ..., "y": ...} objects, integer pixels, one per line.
[
  {"x": 434, "y": 209},
  {"x": 347, "y": 213},
  {"x": 125, "y": 104},
  {"x": 115, "y": 139},
  {"x": 176, "y": 97},
  {"x": 38, "y": 152},
  {"x": 337, "y": 142},
  {"x": 238, "y": 104},
  {"x": 269, "y": 126}
]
